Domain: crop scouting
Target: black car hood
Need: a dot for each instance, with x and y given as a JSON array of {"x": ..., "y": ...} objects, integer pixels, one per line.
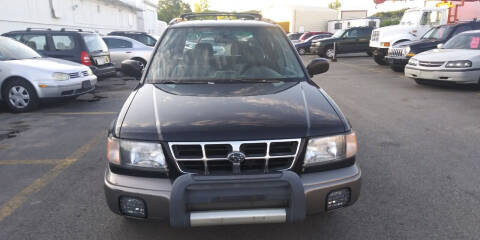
[
  {"x": 300, "y": 110},
  {"x": 420, "y": 44}
]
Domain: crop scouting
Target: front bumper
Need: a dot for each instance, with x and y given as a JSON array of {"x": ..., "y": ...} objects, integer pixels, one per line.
[
  {"x": 68, "y": 88},
  {"x": 379, "y": 52},
  {"x": 397, "y": 61},
  {"x": 164, "y": 199},
  {"x": 453, "y": 75}
]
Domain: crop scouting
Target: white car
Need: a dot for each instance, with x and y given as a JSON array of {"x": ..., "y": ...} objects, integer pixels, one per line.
[
  {"x": 124, "y": 48},
  {"x": 26, "y": 77},
  {"x": 457, "y": 61}
]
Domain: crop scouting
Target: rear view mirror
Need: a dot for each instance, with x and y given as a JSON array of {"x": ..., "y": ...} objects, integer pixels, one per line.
[
  {"x": 318, "y": 66},
  {"x": 132, "y": 68},
  {"x": 440, "y": 45}
]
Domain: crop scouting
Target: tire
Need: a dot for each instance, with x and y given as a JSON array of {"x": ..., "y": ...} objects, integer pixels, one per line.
[
  {"x": 302, "y": 51},
  {"x": 380, "y": 60},
  {"x": 329, "y": 52},
  {"x": 397, "y": 68},
  {"x": 20, "y": 96},
  {"x": 420, "y": 81}
]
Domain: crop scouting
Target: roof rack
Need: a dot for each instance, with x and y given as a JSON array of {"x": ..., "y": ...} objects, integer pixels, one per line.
[
  {"x": 71, "y": 29},
  {"x": 247, "y": 16},
  {"x": 30, "y": 29}
]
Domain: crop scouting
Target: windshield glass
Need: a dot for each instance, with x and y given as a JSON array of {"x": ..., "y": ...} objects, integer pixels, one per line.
[
  {"x": 338, "y": 34},
  {"x": 464, "y": 41},
  {"x": 410, "y": 18},
  {"x": 437, "y": 32},
  {"x": 224, "y": 53},
  {"x": 13, "y": 50},
  {"x": 95, "y": 43}
]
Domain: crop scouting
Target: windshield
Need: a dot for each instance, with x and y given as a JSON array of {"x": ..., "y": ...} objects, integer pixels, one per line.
[
  {"x": 464, "y": 41},
  {"x": 338, "y": 34},
  {"x": 13, "y": 50},
  {"x": 410, "y": 18},
  {"x": 224, "y": 53},
  {"x": 95, "y": 43},
  {"x": 437, "y": 32}
]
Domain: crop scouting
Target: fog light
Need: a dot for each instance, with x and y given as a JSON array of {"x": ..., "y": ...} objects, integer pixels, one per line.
[
  {"x": 338, "y": 198},
  {"x": 133, "y": 207}
]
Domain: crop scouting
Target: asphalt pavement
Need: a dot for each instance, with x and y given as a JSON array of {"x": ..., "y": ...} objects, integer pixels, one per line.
[{"x": 418, "y": 150}]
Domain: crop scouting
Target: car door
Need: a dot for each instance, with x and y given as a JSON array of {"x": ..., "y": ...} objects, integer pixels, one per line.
[
  {"x": 364, "y": 39},
  {"x": 120, "y": 50},
  {"x": 64, "y": 46},
  {"x": 348, "y": 42}
]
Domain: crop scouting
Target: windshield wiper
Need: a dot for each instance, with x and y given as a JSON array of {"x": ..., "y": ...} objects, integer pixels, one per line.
[{"x": 183, "y": 82}]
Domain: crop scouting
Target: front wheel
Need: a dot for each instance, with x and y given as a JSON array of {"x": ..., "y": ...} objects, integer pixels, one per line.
[
  {"x": 329, "y": 52},
  {"x": 20, "y": 96},
  {"x": 302, "y": 51},
  {"x": 380, "y": 60}
]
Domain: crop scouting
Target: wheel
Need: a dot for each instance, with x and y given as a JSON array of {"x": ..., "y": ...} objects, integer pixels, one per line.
[
  {"x": 380, "y": 60},
  {"x": 420, "y": 81},
  {"x": 329, "y": 52},
  {"x": 397, "y": 68},
  {"x": 302, "y": 51},
  {"x": 20, "y": 96},
  {"x": 369, "y": 53}
]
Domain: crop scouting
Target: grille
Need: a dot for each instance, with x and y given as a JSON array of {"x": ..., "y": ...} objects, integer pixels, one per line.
[
  {"x": 395, "y": 52},
  {"x": 430, "y": 64},
  {"x": 78, "y": 74},
  {"x": 211, "y": 157},
  {"x": 375, "y": 36}
]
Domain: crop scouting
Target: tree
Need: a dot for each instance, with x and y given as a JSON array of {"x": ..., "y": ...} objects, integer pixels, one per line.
[
  {"x": 201, "y": 6},
  {"x": 389, "y": 18},
  {"x": 170, "y": 9},
  {"x": 335, "y": 5}
]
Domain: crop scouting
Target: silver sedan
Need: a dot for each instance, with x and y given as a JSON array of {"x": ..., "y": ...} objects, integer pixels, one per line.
[
  {"x": 123, "y": 48},
  {"x": 26, "y": 77}
]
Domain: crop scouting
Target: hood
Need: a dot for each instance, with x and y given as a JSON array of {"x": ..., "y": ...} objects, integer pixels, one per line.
[
  {"x": 391, "y": 32},
  {"x": 421, "y": 43},
  {"x": 205, "y": 112},
  {"x": 50, "y": 64},
  {"x": 447, "y": 55}
]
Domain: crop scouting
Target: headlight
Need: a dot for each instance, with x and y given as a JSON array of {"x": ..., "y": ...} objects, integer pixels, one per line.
[
  {"x": 90, "y": 72},
  {"x": 413, "y": 62},
  {"x": 329, "y": 149},
  {"x": 148, "y": 156},
  {"x": 60, "y": 76},
  {"x": 459, "y": 64}
]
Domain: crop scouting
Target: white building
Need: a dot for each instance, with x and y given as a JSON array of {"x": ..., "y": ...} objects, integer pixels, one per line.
[
  {"x": 147, "y": 20},
  {"x": 102, "y": 16},
  {"x": 302, "y": 18}
]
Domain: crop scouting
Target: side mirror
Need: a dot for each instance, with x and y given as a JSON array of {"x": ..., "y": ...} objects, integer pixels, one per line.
[
  {"x": 318, "y": 66},
  {"x": 132, "y": 68},
  {"x": 440, "y": 45}
]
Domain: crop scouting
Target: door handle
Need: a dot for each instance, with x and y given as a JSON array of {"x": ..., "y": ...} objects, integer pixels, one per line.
[{"x": 128, "y": 52}]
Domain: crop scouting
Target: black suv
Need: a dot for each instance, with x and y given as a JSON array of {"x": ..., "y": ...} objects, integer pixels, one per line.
[
  {"x": 227, "y": 127},
  {"x": 76, "y": 45},
  {"x": 139, "y": 36},
  {"x": 399, "y": 54},
  {"x": 352, "y": 40}
]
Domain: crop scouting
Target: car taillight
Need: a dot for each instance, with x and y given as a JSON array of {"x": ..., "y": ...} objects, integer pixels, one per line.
[{"x": 85, "y": 59}]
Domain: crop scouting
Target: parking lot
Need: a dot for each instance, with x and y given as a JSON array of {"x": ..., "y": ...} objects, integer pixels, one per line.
[{"x": 418, "y": 151}]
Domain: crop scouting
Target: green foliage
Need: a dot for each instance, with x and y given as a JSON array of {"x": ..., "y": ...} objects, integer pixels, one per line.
[
  {"x": 335, "y": 5},
  {"x": 390, "y": 18},
  {"x": 170, "y": 9},
  {"x": 201, "y": 6}
]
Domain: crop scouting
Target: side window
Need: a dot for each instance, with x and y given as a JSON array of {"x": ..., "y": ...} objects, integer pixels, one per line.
[
  {"x": 63, "y": 42},
  {"x": 113, "y": 43},
  {"x": 37, "y": 42},
  {"x": 353, "y": 33},
  {"x": 372, "y": 24},
  {"x": 338, "y": 26},
  {"x": 366, "y": 32},
  {"x": 431, "y": 18},
  {"x": 15, "y": 36},
  {"x": 461, "y": 29}
]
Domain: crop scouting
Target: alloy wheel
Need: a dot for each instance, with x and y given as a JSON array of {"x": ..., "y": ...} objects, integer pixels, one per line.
[{"x": 19, "y": 97}]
